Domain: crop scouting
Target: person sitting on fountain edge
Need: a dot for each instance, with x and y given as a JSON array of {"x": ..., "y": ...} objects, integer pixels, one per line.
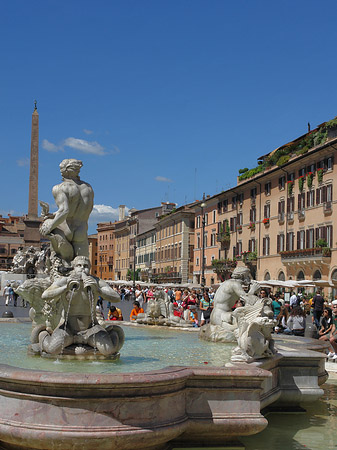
[
  {"x": 115, "y": 313},
  {"x": 136, "y": 310}
]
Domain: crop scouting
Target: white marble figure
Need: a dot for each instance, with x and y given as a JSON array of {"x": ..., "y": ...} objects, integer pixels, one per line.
[
  {"x": 25, "y": 261},
  {"x": 78, "y": 292},
  {"x": 254, "y": 333},
  {"x": 222, "y": 322},
  {"x": 31, "y": 291},
  {"x": 41, "y": 264},
  {"x": 159, "y": 311},
  {"x": 250, "y": 325},
  {"x": 19, "y": 262},
  {"x": 67, "y": 227}
]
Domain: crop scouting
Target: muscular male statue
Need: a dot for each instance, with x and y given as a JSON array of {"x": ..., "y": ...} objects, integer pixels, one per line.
[
  {"x": 67, "y": 228},
  {"x": 79, "y": 293},
  {"x": 229, "y": 292}
]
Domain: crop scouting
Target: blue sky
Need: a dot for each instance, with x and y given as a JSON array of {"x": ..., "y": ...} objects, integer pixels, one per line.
[{"x": 161, "y": 100}]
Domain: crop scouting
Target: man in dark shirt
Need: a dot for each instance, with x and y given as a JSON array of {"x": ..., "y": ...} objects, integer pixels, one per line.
[{"x": 318, "y": 307}]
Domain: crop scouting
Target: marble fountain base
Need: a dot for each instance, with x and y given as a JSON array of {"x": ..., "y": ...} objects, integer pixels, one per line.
[{"x": 153, "y": 410}]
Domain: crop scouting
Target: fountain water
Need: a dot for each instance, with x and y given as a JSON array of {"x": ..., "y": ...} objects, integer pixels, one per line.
[{"x": 67, "y": 317}]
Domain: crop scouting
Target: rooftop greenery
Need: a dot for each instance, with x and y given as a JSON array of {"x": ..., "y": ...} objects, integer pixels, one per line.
[{"x": 282, "y": 155}]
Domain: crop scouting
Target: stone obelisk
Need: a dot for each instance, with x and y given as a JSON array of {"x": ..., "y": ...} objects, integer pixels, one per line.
[{"x": 32, "y": 221}]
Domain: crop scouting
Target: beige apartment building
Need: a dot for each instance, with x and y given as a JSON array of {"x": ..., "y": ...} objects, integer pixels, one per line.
[
  {"x": 117, "y": 240},
  {"x": 124, "y": 234},
  {"x": 146, "y": 254},
  {"x": 174, "y": 246},
  {"x": 279, "y": 221},
  {"x": 113, "y": 240}
]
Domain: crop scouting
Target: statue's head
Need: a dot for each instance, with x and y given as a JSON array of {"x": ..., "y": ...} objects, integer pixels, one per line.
[
  {"x": 81, "y": 264},
  {"x": 241, "y": 273},
  {"x": 70, "y": 168}
]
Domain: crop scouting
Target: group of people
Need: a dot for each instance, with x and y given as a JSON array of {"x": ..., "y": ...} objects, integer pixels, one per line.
[
  {"x": 292, "y": 316},
  {"x": 11, "y": 297},
  {"x": 186, "y": 303},
  {"x": 195, "y": 306}
]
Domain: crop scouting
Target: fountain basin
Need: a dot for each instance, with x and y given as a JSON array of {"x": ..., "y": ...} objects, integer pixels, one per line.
[
  {"x": 143, "y": 410},
  {"x": 152, "y": 410}
]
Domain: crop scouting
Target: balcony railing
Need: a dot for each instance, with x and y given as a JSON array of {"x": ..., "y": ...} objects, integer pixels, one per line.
[
  {"x": 301, "y": 214},
  {"x": 317, "y": 252},
  {"x": 167, "y": 276},
  {"x": 290, "y": 216},
  {"x": 327, "y": 207},
  {"x": 223, "y": 237},
  {"x": 223, "y": 265},
  {"x": 281, "y": 217}
]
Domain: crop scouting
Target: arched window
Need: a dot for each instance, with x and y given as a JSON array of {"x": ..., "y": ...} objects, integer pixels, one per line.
[
  {"x": 334, "y": 275},
  {"x": 267, "y": 276},
  {"x": 317, "y": 275},
  {"x": 300, "y": 275},
  {"x": 281, "y": 276}
]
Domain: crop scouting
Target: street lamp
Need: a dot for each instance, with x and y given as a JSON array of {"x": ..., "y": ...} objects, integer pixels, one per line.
[
  {"x": 203, "y": 204},
  {"x": 134, "y": 272},
  {"x": 134, "y": 266}
]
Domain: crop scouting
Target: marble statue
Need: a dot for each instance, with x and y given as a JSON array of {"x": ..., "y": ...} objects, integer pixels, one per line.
[
  {"x": 78, "y": 292},
  {"x": 255, "y": 325},
  {"x": 24, "y": 261},
  {"x": 31, "y": 261},
  {"x": 250, "y": 325},
  {"x": 67, "y": 227},
  {"x": 159, "y": 311},
  {"x": 42, "y": 315},
  {"x": 42, "y": 264},
  {"x": 222, "y": 322},
  {"x": 19, "y": 262},
  {"x": 64, "y": 303}
]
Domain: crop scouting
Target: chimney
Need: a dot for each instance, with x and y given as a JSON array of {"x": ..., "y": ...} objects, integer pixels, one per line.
[{"x": 121, "y": 210}]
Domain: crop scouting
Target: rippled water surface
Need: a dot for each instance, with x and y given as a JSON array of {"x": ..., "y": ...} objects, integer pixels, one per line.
[
  {"x": 316, "y": 429},
  {"x": 144, "y": 349}
]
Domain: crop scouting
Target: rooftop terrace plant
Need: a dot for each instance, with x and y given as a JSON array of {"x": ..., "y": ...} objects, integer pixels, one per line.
[{"x": 282, "y": 155}]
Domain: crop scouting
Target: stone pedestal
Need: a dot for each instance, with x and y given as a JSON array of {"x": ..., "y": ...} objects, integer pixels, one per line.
[{"x": 32, "y": 235}]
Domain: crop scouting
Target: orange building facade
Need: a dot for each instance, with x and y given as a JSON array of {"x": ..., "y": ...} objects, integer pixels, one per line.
[
  {"x": 92, "y": 238},
  {"x": 279, "y": 223}
]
